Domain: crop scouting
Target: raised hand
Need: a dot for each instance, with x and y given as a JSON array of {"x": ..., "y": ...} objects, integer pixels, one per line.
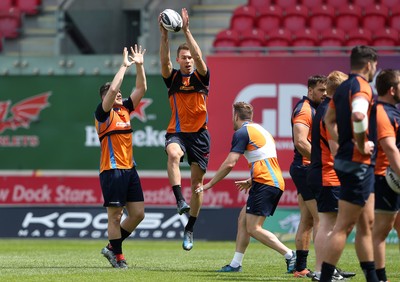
[
  {"x": 137, "y": 55},
  {"x": 185, "y": 19}
]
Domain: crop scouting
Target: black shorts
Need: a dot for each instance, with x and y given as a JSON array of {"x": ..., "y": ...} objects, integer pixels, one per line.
[
  {"x": 263, "y": 199},
  {"x": 196, "y": 145},
  {"x": 385, "y": 198},
  {"x": 327, "y": 200},
  {"x": 357, "y": 181},
  {"x": 120, "y": 186},
  {"x": 299, "y": 177}
]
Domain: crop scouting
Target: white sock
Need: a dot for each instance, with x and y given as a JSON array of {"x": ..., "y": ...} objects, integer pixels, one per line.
[
  {"x": 289, "y": 255},
  {"x": 237, "y": 259}
]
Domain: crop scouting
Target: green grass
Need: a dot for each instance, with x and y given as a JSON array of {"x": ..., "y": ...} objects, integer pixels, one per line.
[{"x": 80, "y": 260}]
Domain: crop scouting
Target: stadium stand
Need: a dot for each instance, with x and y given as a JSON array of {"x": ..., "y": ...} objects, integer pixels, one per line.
[
  {"x": 332, "y": 40},
  {"x": 282, "y": 22},
  {"x": 278, "y": 38},
  {"x": 339, "y": 24},
  {"x": 252, "y": 41},
  {"x": 322, "y": 17},
  {"x": 358, "y": 36},
  {"x": 337, "y": 3},
  {"x": 305, "y": 38},
  {"x": 394, "y": 19},
  {"x": 390, "y": 4},
  {"x": 225, "y": 41},
  {"x": 260, "y": 4},
  {"x": 348, "y": 17},
  {"x": 10, "y": 22},
  {"x": 243, "y": 18},
  {"x": 269, "y": 17},
  {"x": 29, "y": 7},
  {"x": 374, "y": 18},
  {"x": 286, "y": 3},
  {"x": 363, "y": 4},
  {"x": 295, "y": 18},
  {"x": 310, "y": 4},
  {"x": 387, "y": 37},
  {"x": 5, "y": 5}
]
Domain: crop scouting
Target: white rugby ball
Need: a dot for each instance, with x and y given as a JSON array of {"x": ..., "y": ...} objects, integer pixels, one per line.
[
  {"x": 171, "y": 20},
  {"x": 393, "y": 180}
]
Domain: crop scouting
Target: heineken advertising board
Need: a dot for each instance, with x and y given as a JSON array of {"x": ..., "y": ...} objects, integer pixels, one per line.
[{"x": 48, "y": 122}]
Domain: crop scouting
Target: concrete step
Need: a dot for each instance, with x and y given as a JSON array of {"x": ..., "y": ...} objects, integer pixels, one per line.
[
  {"x": 31, "y": 46},
  {"x": 212, "y": 9},
  {"x": 225, "y": 2},
  {"x": 210, "y": 21},
  {"x": 38, "y": 32}
]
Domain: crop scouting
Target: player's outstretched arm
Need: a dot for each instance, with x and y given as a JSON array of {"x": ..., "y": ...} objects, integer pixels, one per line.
[
  {"x": 115, "y": 86},
  {"x": 137, "y": 58}
]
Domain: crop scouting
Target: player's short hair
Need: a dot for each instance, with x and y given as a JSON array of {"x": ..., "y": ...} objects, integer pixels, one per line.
[
  {"x": 104, "y": 88},
  {"x": 243, "y": 110},
  {"x": 334, "y": 79},
  {"x": 315, "y": 79},
  {"x": 386, "y": 79},
  {"x": 183, "y": 46},
  {"x": 361, "y": 55}
]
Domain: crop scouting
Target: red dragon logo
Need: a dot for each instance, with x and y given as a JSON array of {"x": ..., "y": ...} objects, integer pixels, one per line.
[{"x": 22, "y": 113}]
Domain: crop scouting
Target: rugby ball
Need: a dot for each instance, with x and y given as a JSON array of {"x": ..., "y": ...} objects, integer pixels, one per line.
[
  {"x": 393, "y": 180},
  {"x": 171, "y": 20}
]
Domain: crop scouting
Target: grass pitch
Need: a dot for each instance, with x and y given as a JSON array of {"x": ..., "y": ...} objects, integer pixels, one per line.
[{"x": 80, "y": 260}]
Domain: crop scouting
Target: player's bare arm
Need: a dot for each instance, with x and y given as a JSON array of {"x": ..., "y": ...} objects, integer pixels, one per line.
[
  {"x": 392, "y": 152},
  {"x": 165, "y": 56},
  {"x": 300, "y": 137},
  {"x": 195, "y": 50},
  {"x": 113, "y": 91},
  {"x": 137, "y": 58},
  {"x": 223, "y": 171}
]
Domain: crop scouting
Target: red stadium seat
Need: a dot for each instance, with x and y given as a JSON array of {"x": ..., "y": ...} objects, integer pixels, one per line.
[
  {"x": 277, "y": 39},
  {"x": 10, "y": 23},
  {"x": 269, "y": 18},
  {"x": 5, "y": 5},
  {"x": 295, "y": 18},
  {"x": 387, "y": 37},
  {"x": 394, "y": 20},
  {"x": 358, "y": 36},
  {"x": 259, "y": 4},
  {"x": 226, "y": 41},
  {"x": 312, "y": 3},
  {"x": 286, "y": 3},
  {"x": 332, "y": 40},
  {"x": 375, "y": 17},
  {"x": 252, "y": 41},
  {"x": 29, "y": 7},
  {"x": 243, "y": 18},
  {"x": 305, "y": 38},
  {"x": 390, "y": 4},
  {"x": 322, "y": 17},
  {"x": 364, "y": 3},
  {"x": 348, "y": 17},
  {"x": 337, "y": 3}
]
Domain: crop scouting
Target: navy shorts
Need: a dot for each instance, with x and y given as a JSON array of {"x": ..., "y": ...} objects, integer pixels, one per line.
[
  {"x": 196, "y": 145},
  {"x": 299, "y": 177},
  {"x": 120, "y": 186},
  {"x": 263, "y": 199},
  {"x": 385, "y": 198},
  {"x": 357, "y": 181},
  {"x": 327, "y": 200}
]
